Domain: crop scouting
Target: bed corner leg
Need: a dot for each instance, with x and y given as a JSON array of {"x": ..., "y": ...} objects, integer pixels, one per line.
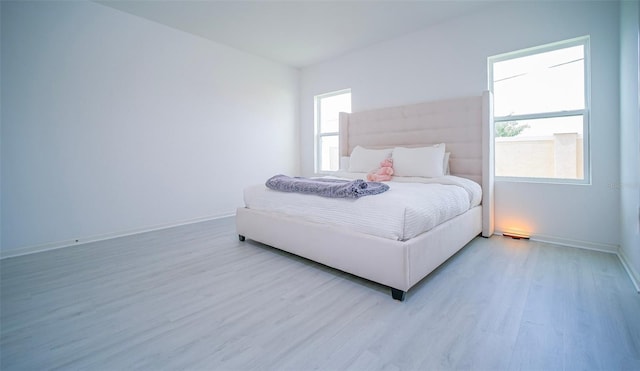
[
  {"x": 241, "y": 237},
  {"x": 397, "y": 294}
]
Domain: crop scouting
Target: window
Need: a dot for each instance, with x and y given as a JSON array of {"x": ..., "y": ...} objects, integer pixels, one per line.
[
  {"x": 327, "y": 109},
  {"x": 541, "y": 112}
]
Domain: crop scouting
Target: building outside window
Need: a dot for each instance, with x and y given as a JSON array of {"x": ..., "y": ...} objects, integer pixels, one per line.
[
  {"x": 541, "y": 112},
  {"x": 327, "y": 109}
]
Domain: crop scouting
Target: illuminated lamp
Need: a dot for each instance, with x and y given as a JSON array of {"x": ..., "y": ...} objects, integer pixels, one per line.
[{"x": 516, "y": 236}]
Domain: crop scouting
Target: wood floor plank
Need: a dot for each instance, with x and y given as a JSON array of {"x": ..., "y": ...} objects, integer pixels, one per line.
[{"x": 194, "y": 297}]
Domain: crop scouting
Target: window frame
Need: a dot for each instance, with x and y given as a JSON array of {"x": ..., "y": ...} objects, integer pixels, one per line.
[
  {"x": 317, "y": 108},
  {"x": 585, "y": 112}
]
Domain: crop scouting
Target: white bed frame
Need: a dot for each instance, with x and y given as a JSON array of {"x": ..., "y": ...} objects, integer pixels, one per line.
[{"x": 464, "y": 124}]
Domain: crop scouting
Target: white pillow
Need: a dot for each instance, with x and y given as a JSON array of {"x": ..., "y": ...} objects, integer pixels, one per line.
[
  {"x": 364, "y": 160},
  {"x": 445, "y": 164},
  {"x": 423, "y": 161}
]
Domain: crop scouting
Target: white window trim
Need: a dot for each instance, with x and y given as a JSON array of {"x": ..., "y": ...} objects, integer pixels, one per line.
[
  {"x": 316, "y": 130},
  {"x": 585, "y": 41}
]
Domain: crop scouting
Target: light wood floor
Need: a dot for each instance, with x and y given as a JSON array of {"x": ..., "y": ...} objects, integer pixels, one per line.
[{"x": 194, "y": 297}]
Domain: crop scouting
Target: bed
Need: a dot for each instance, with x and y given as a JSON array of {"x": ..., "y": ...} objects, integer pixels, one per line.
[{"x": 398, "y": 260}]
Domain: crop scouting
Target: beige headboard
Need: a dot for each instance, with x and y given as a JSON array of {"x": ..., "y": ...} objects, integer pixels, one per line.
[{"x": 463, "y": 124}]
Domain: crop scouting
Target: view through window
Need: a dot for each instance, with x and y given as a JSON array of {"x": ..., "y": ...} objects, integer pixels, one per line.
[
  {"x": 327, "y": 109},
  {"x": 541, "y": 111}
]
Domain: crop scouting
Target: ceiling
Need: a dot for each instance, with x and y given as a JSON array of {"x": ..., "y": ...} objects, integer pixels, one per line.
[{"x": 297, "y": 33}]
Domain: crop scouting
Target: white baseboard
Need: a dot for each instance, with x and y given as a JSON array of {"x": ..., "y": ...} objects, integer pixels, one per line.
[
  {"x": 633, "y": 275},
  {"x": 612, "y": 249},
  {"x": 74, "y": 242},
  {"x": 607, "y": 248}
]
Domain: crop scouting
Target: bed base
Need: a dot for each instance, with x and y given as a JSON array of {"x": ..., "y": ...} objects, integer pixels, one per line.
[
  {"x": 395, "y": 293},
  {"x": 396, "y": 264}
]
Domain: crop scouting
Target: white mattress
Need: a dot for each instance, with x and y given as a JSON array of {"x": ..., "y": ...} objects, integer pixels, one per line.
[{"x": 410, "y": 207}]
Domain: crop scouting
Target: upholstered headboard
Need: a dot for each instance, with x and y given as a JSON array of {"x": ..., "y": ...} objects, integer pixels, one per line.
[{"x": 463, "y": 124}]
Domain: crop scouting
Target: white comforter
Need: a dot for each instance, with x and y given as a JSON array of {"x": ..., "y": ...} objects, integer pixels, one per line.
[{"x": 410, "y": 207}]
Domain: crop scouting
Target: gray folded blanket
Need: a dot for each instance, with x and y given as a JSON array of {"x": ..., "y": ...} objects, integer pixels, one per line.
[{"x": 334, "y": 188}]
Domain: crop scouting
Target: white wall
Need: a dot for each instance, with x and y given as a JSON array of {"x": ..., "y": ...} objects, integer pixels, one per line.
[
  {"x": 450, "y": 59},
  {"x": 630, "y": 135},
  {"x": 112, "y": 124},
  {"x": 1, "y": 84}
]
